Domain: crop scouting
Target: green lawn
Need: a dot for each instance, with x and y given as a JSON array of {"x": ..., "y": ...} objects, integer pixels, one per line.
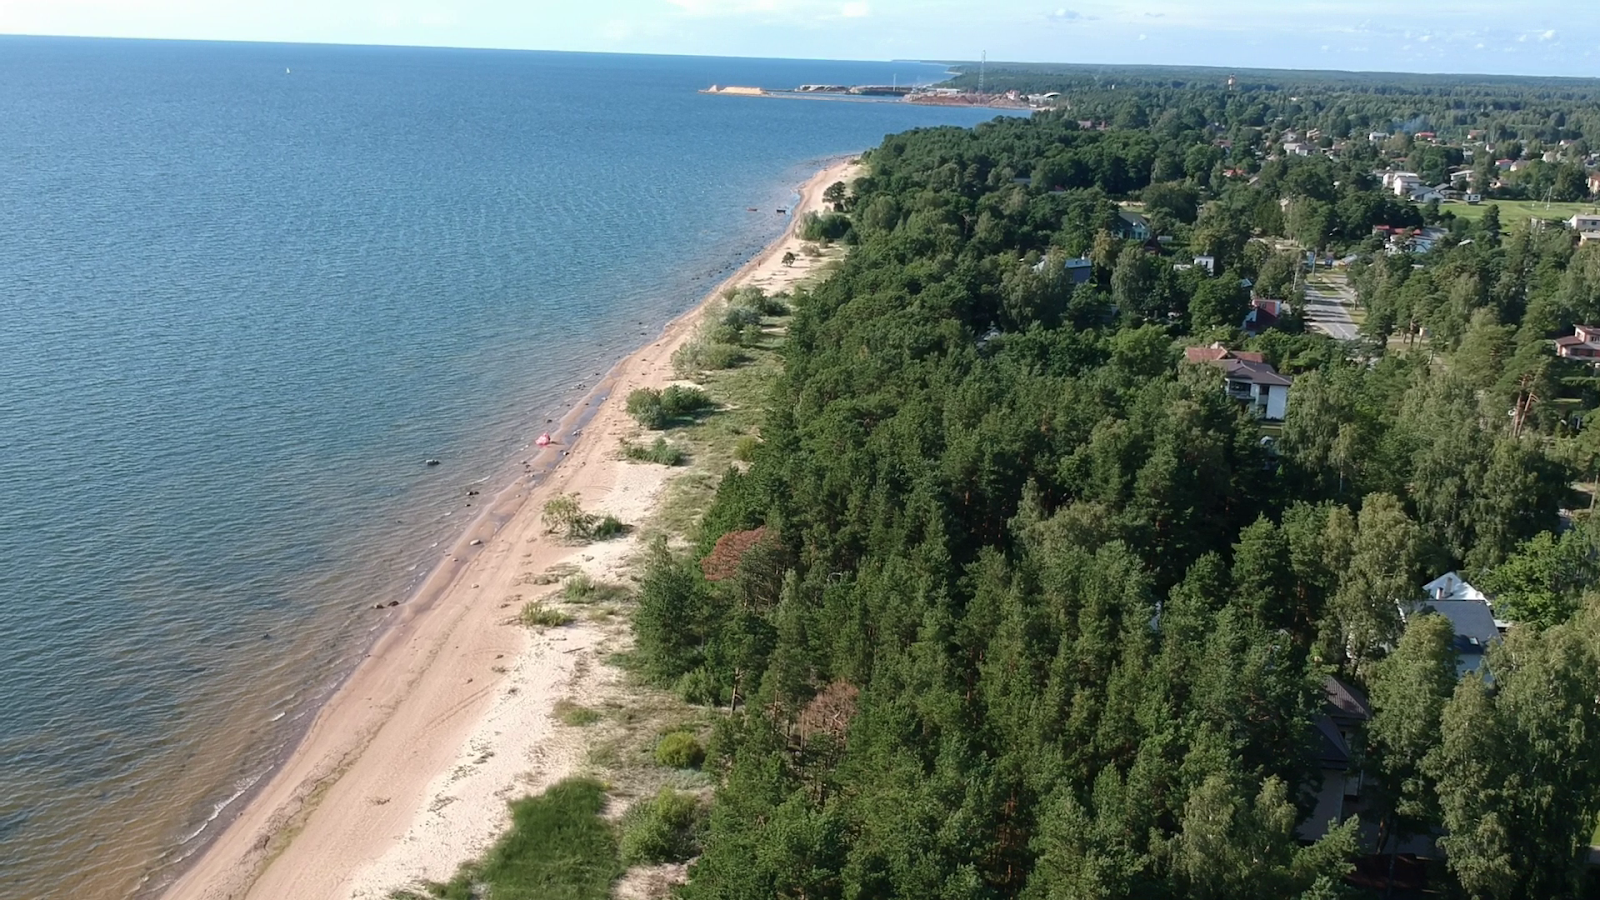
[{"x": 1513, "y": 211}]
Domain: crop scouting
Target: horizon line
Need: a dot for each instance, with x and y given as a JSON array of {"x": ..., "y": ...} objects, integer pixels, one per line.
[{"x": 378, "y": 45}]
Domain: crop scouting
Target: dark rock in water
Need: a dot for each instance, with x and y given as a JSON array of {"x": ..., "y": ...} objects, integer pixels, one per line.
[
  {"x": 377, "y": 606},
  {"x": 394, "y": 603},
  {"x": 431, "y": 462},
  {"x": 471, "y": 493}
]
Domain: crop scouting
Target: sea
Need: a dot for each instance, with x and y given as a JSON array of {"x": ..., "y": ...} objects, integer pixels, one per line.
[{"x": 246, "y": 292}]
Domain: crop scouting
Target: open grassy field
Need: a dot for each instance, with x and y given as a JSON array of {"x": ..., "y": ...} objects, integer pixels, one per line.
[{"x": 1514, "y": 211}]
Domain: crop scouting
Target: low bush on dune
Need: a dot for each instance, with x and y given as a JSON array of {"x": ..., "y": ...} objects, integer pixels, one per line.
[
  {"x": 657, "y": 409},
  {"x": 661, "y": 829},
  {"x": 702, "y": 354},
  {"x": 536, "y": 615},
  {"x": 680, "y": 750},
  {"x": 661, "y": 453},
  {"x": 564, "y": 515}
]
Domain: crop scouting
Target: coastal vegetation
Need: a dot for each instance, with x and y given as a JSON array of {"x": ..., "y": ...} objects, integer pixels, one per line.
[
  {"x": 559, "y": 848},
  {"x": 1001, "y": 560},
  {"x": 1004, "y": 598},
  {"x": 661, "y": 829},
  {"x": 536, "y": 614},
  {"x": 564, "y": 515},
  {"x": 659, "y": 452},
  {"x": 658, "y": 409}
]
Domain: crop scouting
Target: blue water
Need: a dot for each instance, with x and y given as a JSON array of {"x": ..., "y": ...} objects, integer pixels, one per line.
[{"x": 240, "y": 306}]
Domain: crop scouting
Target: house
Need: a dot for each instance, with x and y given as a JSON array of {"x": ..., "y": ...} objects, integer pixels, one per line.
[
  {"x": 1133, "y": 226},
  {"x": 1426, "y": 195},
  {"x": 1345, "y": 712},
  {"x": 1451, "y": 586},
  {"x": 1423, "y": 241},
  {"x": 1377, "y": 136},
  {"x": 1401, "y": 183},
  {"x": 1582, "y": 223},
  {"x": 1425, "y": 136},
  {"x": 1263, "y": 314},
  {"x": 1248, "y": 378},
  {"x": 1582, "y": 345},
  {"x": 1209, "y": 263},
  {"x": 1469, "y": 613},
  {"x": 1080, "y": 270},
  {"x": 1594, "y": 182},
  {"x": 1298, "y": 148}
]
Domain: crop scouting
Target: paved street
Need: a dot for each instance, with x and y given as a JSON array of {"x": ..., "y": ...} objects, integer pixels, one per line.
[{"x": 1328, "y": 304}]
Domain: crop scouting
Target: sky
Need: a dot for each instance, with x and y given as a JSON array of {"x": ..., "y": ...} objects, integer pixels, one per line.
[{"x": 1465, "y": 36}]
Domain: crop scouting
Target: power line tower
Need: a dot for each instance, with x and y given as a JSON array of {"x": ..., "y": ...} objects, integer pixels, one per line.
[{"x": 983, "y": 66}]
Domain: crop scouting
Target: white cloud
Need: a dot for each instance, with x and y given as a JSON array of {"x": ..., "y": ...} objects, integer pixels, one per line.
[
  {"x": 855, "y": 10},
  {"x": 1067, "y": 15},
  {"x": 1548, "y": 35}
]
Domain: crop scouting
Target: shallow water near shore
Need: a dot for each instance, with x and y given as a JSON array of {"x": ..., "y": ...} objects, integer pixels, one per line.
[{"x": 245, "y": 292}]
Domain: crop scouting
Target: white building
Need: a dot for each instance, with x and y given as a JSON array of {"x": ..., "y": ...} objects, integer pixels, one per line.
[{"x": 1584, "y": 223}]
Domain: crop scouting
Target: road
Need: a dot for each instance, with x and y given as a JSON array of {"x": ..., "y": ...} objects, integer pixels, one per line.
[{"x": 1329, "y": 300}]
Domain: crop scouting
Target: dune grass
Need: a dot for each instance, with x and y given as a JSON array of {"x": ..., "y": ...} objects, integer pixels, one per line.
[{"x": 558, "y": 848}]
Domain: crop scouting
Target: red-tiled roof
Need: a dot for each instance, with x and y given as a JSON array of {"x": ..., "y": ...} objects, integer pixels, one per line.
[{"x": 1205, "y": 354}]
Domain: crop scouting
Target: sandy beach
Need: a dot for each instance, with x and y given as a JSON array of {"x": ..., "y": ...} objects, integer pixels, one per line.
[{"x": 405, "y": 772}]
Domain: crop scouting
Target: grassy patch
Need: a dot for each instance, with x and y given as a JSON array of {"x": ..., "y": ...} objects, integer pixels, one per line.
[
  {"x": 536, "y": 615},
  {"x": 661, "y": 453},
  {"x": 580, "y": 588},
  {"x": 559, "y": 848},
  {"x": 1512, "y": 211},
  {"x": 569, "y": 713}
]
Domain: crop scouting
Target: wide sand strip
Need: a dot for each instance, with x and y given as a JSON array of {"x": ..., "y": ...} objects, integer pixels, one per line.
[{"x": 406, "y": 771}]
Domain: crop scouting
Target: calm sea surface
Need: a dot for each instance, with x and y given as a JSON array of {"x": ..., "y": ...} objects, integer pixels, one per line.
[{"x": 240, "y": 305}]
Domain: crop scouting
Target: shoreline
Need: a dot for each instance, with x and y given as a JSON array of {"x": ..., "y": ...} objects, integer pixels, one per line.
[{"x": 351, "y": 792}]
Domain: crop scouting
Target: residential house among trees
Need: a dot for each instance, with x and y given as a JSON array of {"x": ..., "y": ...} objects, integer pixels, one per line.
[
  {"x": 1583, "y": 344},
  {"x": 1247, "y": 377},
  {"x": 1469, "y": 613}
]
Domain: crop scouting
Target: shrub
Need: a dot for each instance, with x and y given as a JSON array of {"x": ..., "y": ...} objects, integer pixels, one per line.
[
  {"x": 536, "y": 615},
  {"x": 739, "y": 317},
  {"x": 655, "y": 409},
  {"x": 700, "y": 688},
  {"x": 754, "y": 298},
  {"x": 680, "y": 750},
  {"x": 644, "y": 405},
  {"x": 563, "y": 514},
  {"x": 678, "y": 400},
  {"x": 660, "y": 453},
  {"x": 607, "y": 528},
  {"x": 744, "y": 449},
  {"x": 664, "y": 828},
  {"x": 824, "y": 228},
  {"x": 702, "y": 354}
]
